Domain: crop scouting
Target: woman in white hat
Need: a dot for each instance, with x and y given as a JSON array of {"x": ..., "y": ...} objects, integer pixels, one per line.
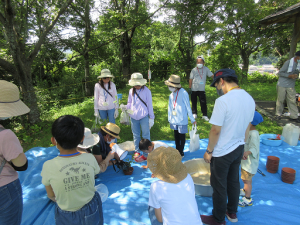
[
  {"x": 172, "y": 197},
  {"x": 140, "y": 109},
  {"x": 105, "y": 97},
  {"x": 178, "y": 111},
  {"x": 12, "y": 158}
]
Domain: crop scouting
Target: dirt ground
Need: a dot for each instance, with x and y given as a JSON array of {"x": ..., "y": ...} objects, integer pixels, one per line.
[{"x": 268, "y": 109}]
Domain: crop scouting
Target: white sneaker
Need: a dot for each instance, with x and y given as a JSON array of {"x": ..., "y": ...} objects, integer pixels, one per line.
[
  {"x": 242, "y": 192},
  {"x": 205, "y": 118},
  {"x": 245, "y": 202},
  {"x": 195, "y": 116}
]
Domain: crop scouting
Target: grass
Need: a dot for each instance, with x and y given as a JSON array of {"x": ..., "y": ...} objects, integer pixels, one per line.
[{"x": 40, "y": 134}]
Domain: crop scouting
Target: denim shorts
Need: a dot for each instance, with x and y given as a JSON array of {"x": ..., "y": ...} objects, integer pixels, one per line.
[
  {"x": 90, "y": 214},
  {"x": 182, "y": 129},
  {"x": 11, "y": 203}
]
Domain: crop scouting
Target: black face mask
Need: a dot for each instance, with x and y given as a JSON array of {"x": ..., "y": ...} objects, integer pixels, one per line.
[{"x": 220, "y": 92}]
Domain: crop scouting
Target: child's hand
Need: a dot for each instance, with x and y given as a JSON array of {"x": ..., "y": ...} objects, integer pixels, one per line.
[
  {"x": 145, "y": 167},
  {"x": 152, "y": 175},
  {"x": 245, "y": 156}
]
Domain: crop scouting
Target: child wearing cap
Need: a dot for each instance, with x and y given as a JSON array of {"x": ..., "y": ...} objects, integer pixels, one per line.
[
  {"x": 250, "y": 161},
  {"x": 140, "y": 109},
  {"x": 105, "y": 97},
  {"x": 69, "y": 177},
  {"x": 172, "y": 197},
  {"x": 178, "y": 111}
]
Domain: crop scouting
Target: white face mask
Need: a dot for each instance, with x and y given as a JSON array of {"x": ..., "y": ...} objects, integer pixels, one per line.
[
  {"x": 199, "y": 66},
  {"x": 172, "y": 89},
  {"x": 4, "y": 118}
]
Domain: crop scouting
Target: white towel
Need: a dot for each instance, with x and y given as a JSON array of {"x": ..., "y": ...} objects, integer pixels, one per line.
[{"x": 292, "y": 64}]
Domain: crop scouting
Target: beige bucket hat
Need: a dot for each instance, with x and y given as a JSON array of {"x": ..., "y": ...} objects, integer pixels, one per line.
[
  {"x": 112, "y": 129},
  {"x": 89, "y": 139},
  {"x": 105, "y": 73},
  {"x": 137, "y": 80},
  {"x": 10, "y": 103},
  {"x": 173, "y": 81},
  {"x": 165, "y": 164}
]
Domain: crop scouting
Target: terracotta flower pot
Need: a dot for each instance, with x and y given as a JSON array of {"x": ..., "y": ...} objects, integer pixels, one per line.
[
  {"x": 288, "y": 175},
  {"x": 272, "y": 164},
  {"x": 129, "y": 171}
]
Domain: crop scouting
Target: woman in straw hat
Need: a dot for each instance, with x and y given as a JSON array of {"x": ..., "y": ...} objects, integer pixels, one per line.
[
  {"x": 103, "y": 149},
  {"x": 12, "y": 158},
  {"x": 172, "y": 197},
  {"x": 140, "y": 109},
  {"x": 105, "y": 97},
  {"x": 178, "y": 111}
]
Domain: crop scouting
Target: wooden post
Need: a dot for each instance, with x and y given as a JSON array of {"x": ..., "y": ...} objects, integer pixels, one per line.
[{"x": 295, "y": 37}]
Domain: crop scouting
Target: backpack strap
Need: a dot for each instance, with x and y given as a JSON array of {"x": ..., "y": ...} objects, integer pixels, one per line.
[{"x": 139, "y": 97}]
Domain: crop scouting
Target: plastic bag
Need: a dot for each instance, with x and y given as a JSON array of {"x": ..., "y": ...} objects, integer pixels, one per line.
[
  {"x": 103, "y": 191},
  {"x": 194, "y": 139},
  {"x": 124, "y": 117}
]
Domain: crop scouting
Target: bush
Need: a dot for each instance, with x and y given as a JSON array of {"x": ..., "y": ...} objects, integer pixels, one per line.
[{"x": 257, "y": 77}]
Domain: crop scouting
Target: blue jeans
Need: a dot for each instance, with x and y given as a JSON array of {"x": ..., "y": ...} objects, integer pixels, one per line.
[
  {"x": 11, "y": 203},
  {"x": 108, "y": 113},
  {"x": 152, "y": 216},
  {"x": 90, "y": 214},
  {"x": 136, "y": 126}
]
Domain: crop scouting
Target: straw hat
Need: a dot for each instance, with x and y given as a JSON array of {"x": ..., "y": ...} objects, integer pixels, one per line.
[
  {"x": 89, "y": 139},
  {"x": 165, "y": 164},
  {"x": 137, "y": 80},
  {"x": 174, "y": 81},
  {"x": 10, "y": 103},
  {"x": 112, "y": 129},
  {"x": 105, "y": 73}
]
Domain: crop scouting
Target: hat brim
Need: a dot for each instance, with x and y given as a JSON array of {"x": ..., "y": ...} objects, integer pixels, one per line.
[
  {"x": 13, "y": 109},
  {"x": 213, "y": 83},
  {"x": 89, "y": 142},
  {"x": 139, "y": 82},
  {"x": 109, "y": 132},
  {"x": 102, "y": 76},
  {"x": 172, "y": 85}
]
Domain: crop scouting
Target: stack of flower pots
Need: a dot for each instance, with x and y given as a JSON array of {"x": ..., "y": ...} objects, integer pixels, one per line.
[
  {"x": 272, "y": 164},
  {"x": 288, "y": 175}
]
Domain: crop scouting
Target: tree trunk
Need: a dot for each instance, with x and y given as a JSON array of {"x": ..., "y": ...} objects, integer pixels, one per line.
[
  {"x": 29, "y": 96},
  {"x": 295, "y": 37},
  {"x": 125, "y": 49},
  {"x": 245, "y": 58}
]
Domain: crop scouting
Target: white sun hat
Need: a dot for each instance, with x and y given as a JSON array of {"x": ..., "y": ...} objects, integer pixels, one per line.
[
  {"x": 89, "y": 139},
  {"x": 137, "y": 80}
]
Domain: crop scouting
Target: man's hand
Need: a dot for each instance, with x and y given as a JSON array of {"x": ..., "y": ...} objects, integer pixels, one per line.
[
  {"x": 195, "y": 123},
  {"x": 189, "y": 91},
  {"x": 207, "y": 157}
]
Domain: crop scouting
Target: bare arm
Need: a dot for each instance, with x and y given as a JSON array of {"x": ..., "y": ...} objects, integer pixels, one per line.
[
  {"x": 247, "y": 132},
  {"x": 20, "y": 160},
  {"x": 190, "y": 83},
  {"x": 50, "y": 193},
  {"x": 214, "y": 135},
  {"x": 158, "y": 214}
]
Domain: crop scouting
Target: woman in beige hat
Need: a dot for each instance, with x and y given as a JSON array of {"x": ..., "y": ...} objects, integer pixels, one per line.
[
  {"x": 12, "y": 158},
  {"x": 103, "y": 148},
  {"x": 140, "y": 109},
  {"x": 105, "y": 97},
  {"x": 172, "y": 197},
  {"x": 178, "y": 111}
]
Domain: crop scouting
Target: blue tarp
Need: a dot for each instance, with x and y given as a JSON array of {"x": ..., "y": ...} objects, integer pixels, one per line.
[{"x": 275, "y": 202}]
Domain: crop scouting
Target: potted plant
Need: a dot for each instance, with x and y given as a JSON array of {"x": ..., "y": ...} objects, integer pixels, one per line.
[{"x": 125, "y": 166}]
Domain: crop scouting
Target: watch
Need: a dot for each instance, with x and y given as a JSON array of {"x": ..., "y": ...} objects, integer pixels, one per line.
[{"x": 208, "y": 152}]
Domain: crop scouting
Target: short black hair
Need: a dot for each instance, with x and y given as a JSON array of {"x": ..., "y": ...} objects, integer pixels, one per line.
[
  {"x": 144, "y": 144},
  {"x": 105, "y": 133},
  {"x": 68, "y": 131},
  {"x": 228, "y": 80}
]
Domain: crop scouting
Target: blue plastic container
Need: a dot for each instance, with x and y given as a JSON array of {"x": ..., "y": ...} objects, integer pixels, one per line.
[
  {"x": 265, "y": 139},
  {"x": 120, "y": 96}
]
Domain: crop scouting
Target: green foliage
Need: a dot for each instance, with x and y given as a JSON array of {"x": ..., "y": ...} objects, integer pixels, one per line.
[{"x": 257, "y": 77}]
